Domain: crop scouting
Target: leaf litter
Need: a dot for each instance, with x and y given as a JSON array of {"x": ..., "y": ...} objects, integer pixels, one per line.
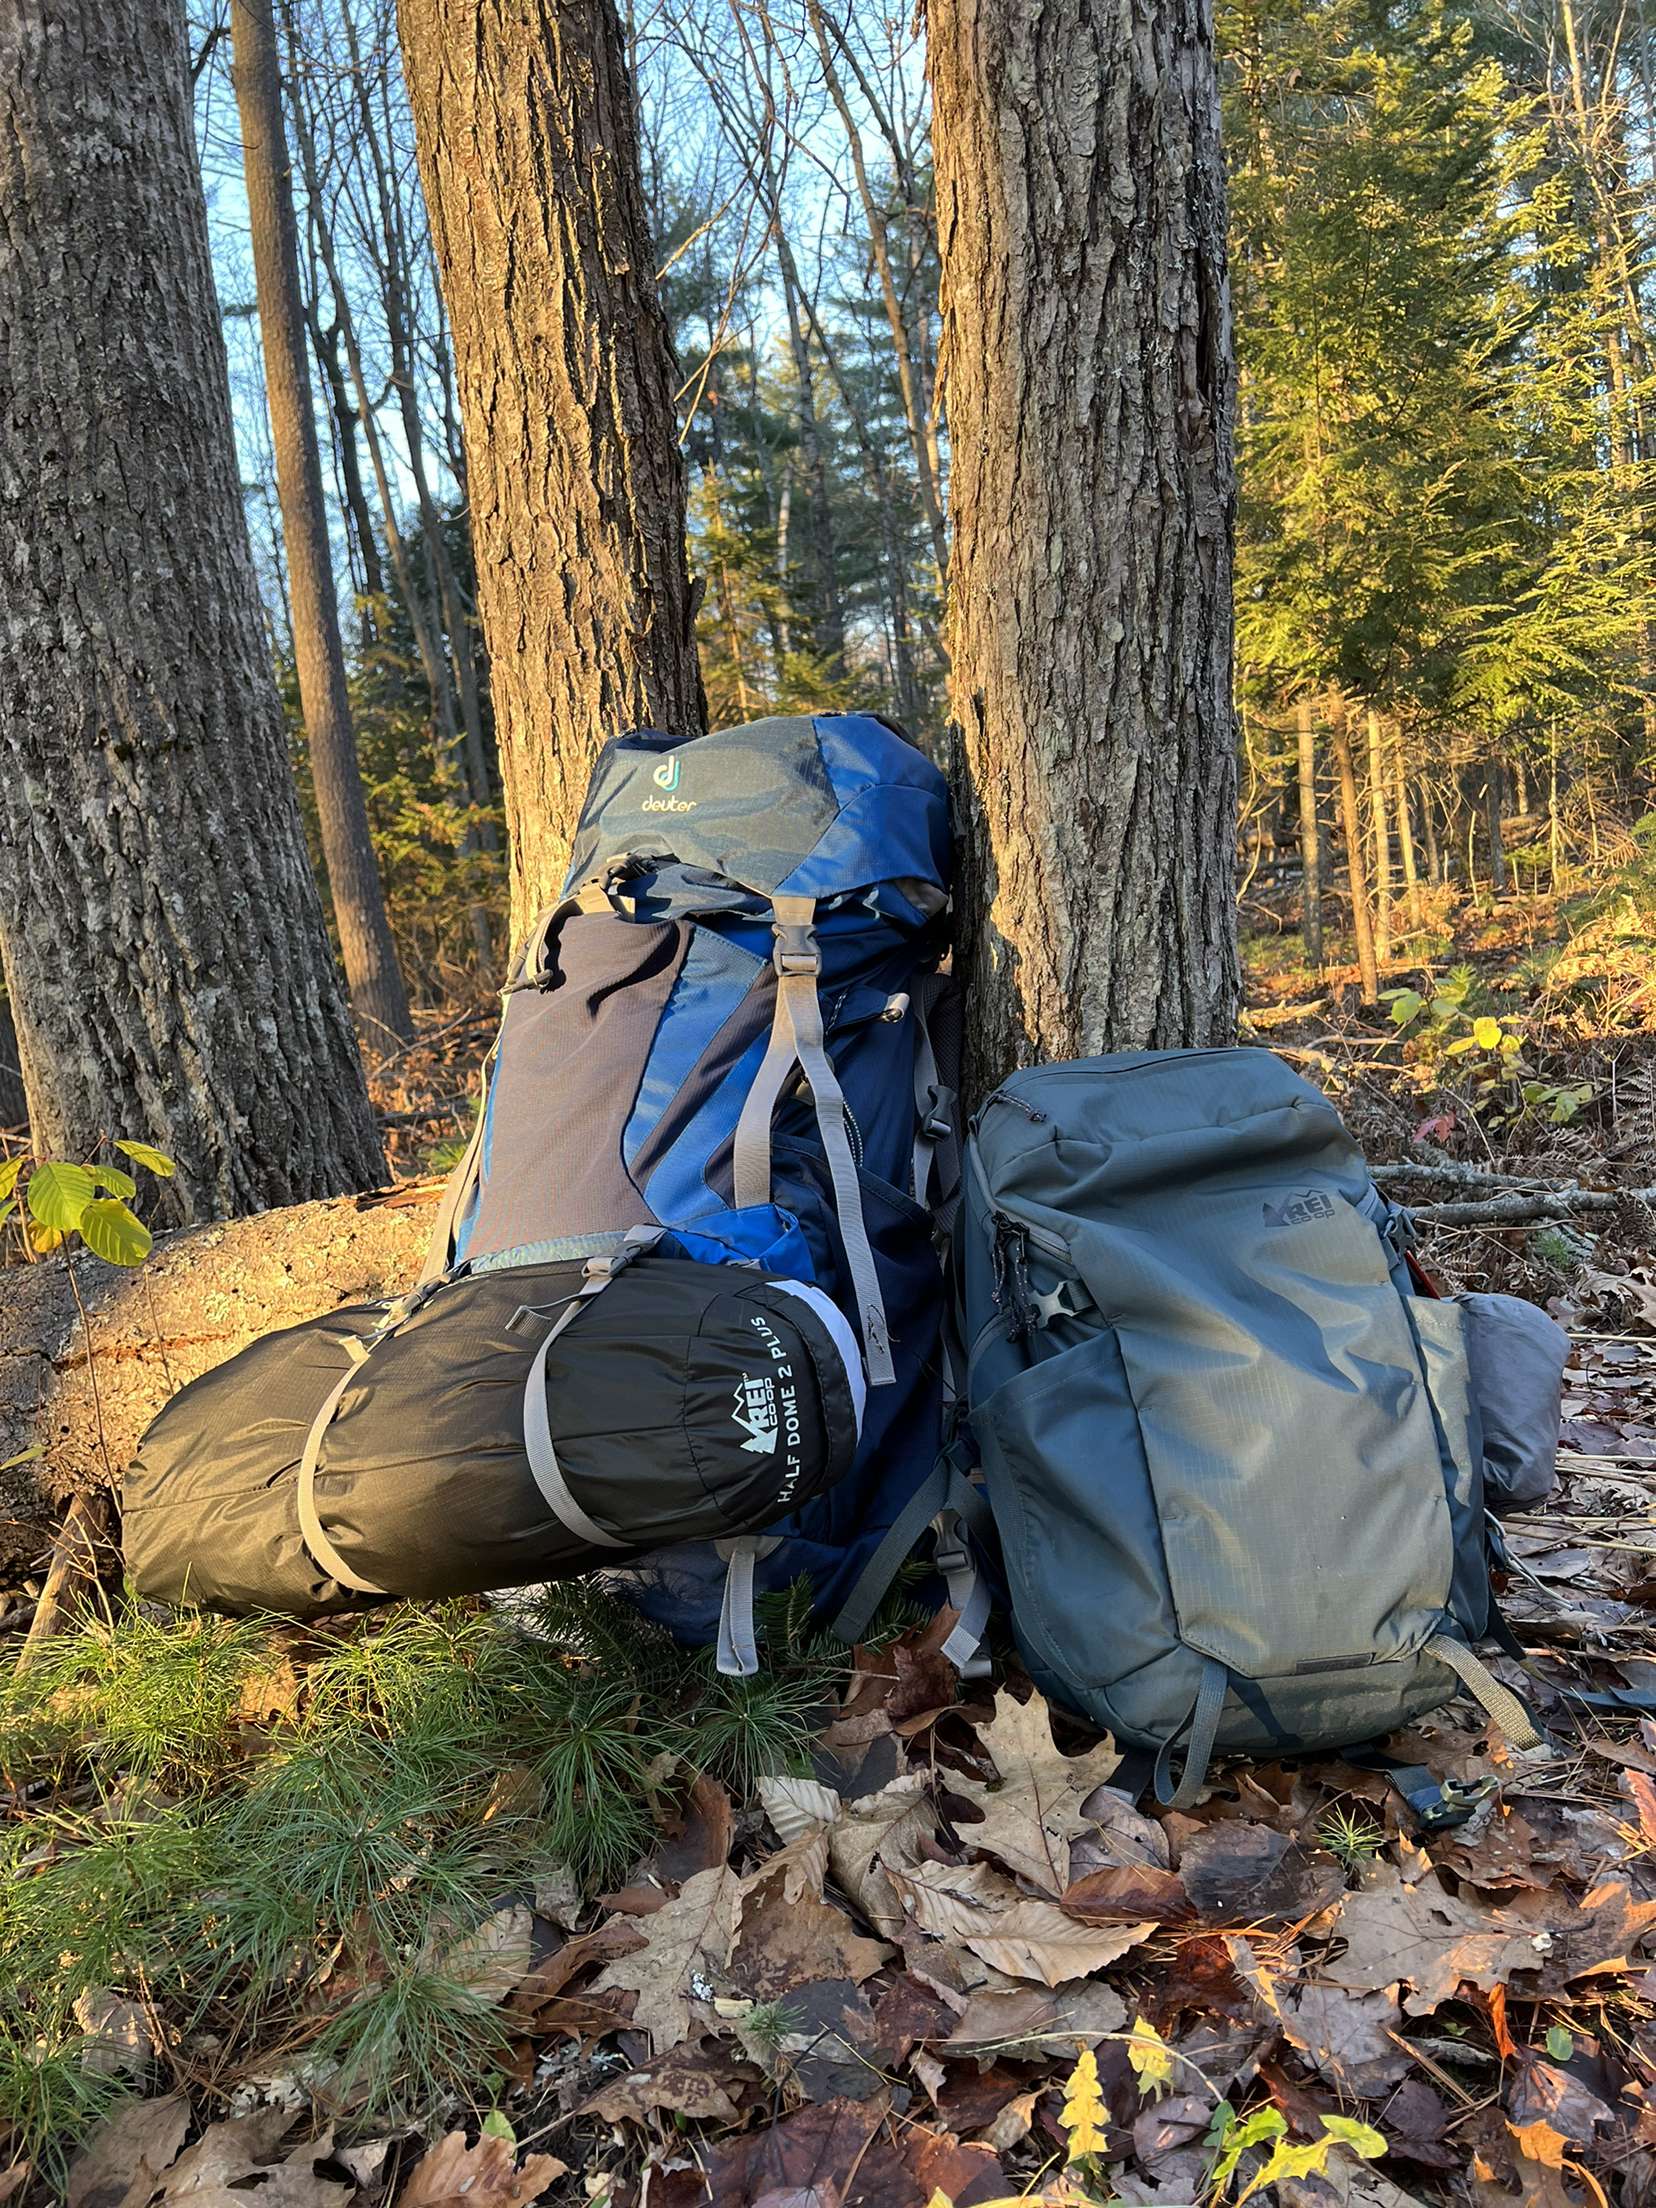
[{"x": 957, "y": 1962}]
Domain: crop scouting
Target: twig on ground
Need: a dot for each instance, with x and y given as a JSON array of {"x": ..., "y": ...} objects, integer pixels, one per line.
[{"x": 74, "y": 1550}]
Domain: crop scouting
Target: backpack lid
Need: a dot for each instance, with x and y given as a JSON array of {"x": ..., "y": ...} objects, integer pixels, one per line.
[{"x": 811, "y": 806}]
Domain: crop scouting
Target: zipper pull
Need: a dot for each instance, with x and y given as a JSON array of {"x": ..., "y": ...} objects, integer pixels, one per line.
[{"x": 1006, "y": 1096}]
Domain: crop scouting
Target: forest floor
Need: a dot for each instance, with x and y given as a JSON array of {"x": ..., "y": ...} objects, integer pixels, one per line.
[{"x": 421, "y": 1909}]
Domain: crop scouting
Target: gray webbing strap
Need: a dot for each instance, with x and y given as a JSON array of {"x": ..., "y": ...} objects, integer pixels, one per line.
[
  {"x": 1199, "y": 1734},
  {"x": 928, "y": 1101},
  {"x": 1475, "y": 1676},
  {"x": 738, "y": 1650},
  {"x": 968, "y": 1592},
  {"x": 537, "y": 1423},
  {"x": 796, "y": 1034},
  {"x": 310, "y": 1523},
  {"x": 948, "y": 1497}
]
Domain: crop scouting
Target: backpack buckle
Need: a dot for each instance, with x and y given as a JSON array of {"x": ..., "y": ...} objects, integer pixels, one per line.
[{"x": 796, "y": 948}]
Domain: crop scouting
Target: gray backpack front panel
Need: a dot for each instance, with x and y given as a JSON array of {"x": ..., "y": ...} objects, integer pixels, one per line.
[{"x": 1220, "y": 1437}]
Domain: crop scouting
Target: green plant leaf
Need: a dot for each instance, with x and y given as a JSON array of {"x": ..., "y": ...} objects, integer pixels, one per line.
[
  {"x": 1264, "y": 2123},
  {"x": 1405, "y": 1005},
  {"x": 146, "y": 1155},
  {"x": 112, "y": 1178},
  {"x": 1461, "y": 1045},
  {"x": 58, "y": 1194},
  {"x": 1486, "y": 1033},
  {"x": 28, "y": 1456},
  {"x": 498, "y": 2125},
  {"x": 114, "y": 1233},
  {"x": 10, "y": 1170},
  {"x": 1560, "y": 2043},
  {"x": 1361, "y": 2138}
]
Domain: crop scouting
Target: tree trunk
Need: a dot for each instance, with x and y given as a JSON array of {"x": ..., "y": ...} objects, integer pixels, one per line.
[
  {"x": 169, "y": 970},
  {"x": 198, "y": 1299},
  {"x": 1492, "y": 820},
  {"x": 1090, "y": 391},
  {"x": 1310, "y": 838},
  {"x": 528, "y": 146},
  {"x": 370, "y": 956},
  {"x": 1351, "y": 821},
  {"x": 1382, "y": 837},
  {"x": 1405, "y": 833}
]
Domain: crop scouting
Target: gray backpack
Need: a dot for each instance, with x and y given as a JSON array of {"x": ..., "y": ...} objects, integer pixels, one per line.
[{"x": 1230, "y": 1443}]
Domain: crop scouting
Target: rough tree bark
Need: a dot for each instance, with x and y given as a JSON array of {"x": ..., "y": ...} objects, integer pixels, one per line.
[
  {"x": 201, "y": 1296},
  {"x": 164, "y": 947},
  {"x": 528, "y": 145},
  {"x": 1090, "y": 388},
  {"x": 370, "y": 955}
]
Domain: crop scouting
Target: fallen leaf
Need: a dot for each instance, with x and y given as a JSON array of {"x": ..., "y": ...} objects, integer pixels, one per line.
[
  {"x": 796, "y": 1806},
  {"x": 1347, "y": 2036},
  {"x": 12, "y": 2181},
  {"x": 1422, "y": 1936},
  {"x": 1416, "y": 2122},
  {"x": 703, "y": 1841},
  {"x": 694, "y": 2079},
  {"x": 118, "y": 2041},
  {"x": 125, "y": 2158},
  {"x": 605, "y": 1943},
  {"x": 683, "y": 1948},
  {"x": 830, "y": 2027},
  {"x": 953, "y": 1900},
  {"x": 1238, "y": 1873},
  {"x": 487, "y": 2175},
  {"x": 886, "y": 1828},
  {"x": 797, "y": 1870},
  {"x": 1031, "y": 1816},
  {"x": 1543, "y": 2093},
  {"x": 808, "y": 2160},
  {"x": 490, "y": 1959},
  {"x": 919, "y": 2164},
  {"x": 787, "y": 1940},
  {"x": 1034, "y": 1939},
  {"x": 234, "y": 2160},
  {"x": 1126, "y": 1892}
]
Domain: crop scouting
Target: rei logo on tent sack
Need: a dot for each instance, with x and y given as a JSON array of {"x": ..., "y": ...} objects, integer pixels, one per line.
[{"x": 756, "y": 1413}]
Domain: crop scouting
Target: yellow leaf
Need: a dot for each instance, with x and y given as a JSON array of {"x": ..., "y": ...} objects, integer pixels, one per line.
[
  {"x": 1486, "y": 1033},
  {"x": 1083, "y": 2114},
  {"x": 1151, "y": 2057}
]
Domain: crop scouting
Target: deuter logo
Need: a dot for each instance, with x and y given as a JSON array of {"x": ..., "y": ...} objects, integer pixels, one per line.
[
  {"x": 756, "y": 1413},
  {"x": 666, "y": 777},
  {"x": 1299, "y": 1211}
]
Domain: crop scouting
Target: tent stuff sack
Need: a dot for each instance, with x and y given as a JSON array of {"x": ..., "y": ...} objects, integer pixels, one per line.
[
  {"x": 1233, "y": 1458},
  {"x": 733, "y": 1025},
  {"x": 504, "y": 1427}
]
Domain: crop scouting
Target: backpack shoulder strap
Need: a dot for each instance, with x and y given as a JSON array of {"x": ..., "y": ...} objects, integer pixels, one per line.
[
  {"x": 947, "y": 1500},
  {"x": 797, "y": 1040}
]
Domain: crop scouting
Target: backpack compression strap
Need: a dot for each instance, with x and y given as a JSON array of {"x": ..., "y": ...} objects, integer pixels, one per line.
[
  {"x": 947, "y": 1500},
  {"x": 796, "y": 1040}
]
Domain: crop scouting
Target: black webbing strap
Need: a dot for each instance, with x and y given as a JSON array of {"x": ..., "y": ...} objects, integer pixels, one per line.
[
  {"x": 1198, "y": 1733},
  {"x": 945, "y": 1488}
]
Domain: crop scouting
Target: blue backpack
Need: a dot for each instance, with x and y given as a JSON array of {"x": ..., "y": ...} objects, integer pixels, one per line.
[{"x": 733, "y": 1027}]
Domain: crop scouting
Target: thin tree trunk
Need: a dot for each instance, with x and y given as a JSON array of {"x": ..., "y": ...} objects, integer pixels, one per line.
[
  {"x": 1382, "y": 837},
  {"x": 1090, "y": 392},
  {"x": 1405, "y": 832},
  {"x": 370, "y": 955},
  {"x": 1310, "y": 838},
  {"x": 1492, "y": 817},
  {"x": 1351, "y": 822},
  {"x": 1437, "y": 866},
  {"x": 1554, "y": 838},
  {"x": 528, "y": 146},
  {"x": 168, "y": 966}
]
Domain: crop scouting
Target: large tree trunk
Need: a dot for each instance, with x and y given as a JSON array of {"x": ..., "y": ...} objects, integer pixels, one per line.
[
  {"x": 370, "y": 956},
  {"x": 1090, "y": 390},
  {"x": 201, "y": 1296},
  {"x": 528, "y": 144},
  {"x": 168, "y": 966}
]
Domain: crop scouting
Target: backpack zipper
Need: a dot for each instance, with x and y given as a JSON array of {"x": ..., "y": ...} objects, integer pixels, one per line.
[{"x": 1006, "y": 1096}]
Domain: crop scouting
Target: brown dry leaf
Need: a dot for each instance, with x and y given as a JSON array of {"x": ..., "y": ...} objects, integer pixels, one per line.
[
  {"x": 1538, "y": 2142},
  {"x": 952, "y": 1901},
  {"x": 799, "y": 1869},
  {"x": 797, "y": 1806},
  {"x": 824, "y": 2052},
  {"x": 491, "y": 1959},
  {"x": 918, "y": 2164},
  {"x": 882, "y": 1829},
  {"x": 1346, "y": 2036},
  {"x": 12, "y": 2181},
  {"x": 787, "y": 1940},
  {"x": 233, "y": 2161},
  {"x": 123, "y": 2161},
  {"x": 1238, "y": 1873},
  {"x": 270, "y": 1692},
  {"x": 1641, "y": 1792},
  {"x": 1418, "y": 1934},
  {"x": 1031, "y": 1817},
  {"x": 487, "y": 2175},
  {"x": 809, "y": 2160},
  {"x": 1034, "y": 1939},
  {"x": 682, "y": 1948},
  {"x": 703, "y": 1842},
  {"x": 1543, "y": 2093},
  {"x": 694, "y": 2079},
  {"x": 1124, "y": 1892}
]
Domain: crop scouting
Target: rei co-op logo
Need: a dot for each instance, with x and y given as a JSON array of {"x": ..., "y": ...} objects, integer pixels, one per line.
[
  {"x": 756, "y": 1413},
  {"x": 666, "y": 778},
  {"x": 1299, "y": 1211}
]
